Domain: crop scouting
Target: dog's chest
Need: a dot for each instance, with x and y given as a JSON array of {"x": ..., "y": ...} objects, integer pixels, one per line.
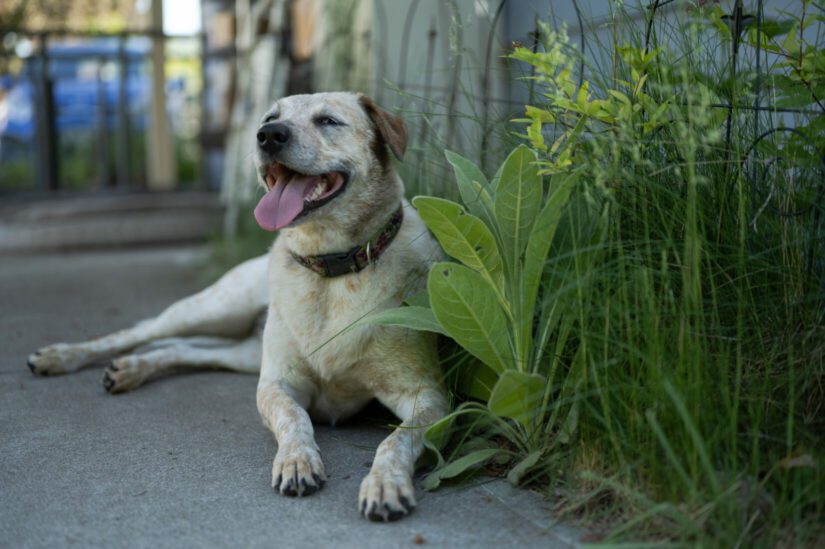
[{"x": 320, "y": 313}]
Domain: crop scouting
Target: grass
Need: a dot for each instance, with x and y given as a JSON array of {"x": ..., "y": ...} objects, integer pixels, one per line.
[
  {"x": 680, "y": 320},
  {"x": 689, "y": 360}
]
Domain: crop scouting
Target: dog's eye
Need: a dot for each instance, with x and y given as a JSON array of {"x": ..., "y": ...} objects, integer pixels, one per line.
[
  {"x": 327, "y": 121},
  {"x": 270, "y": 118}
]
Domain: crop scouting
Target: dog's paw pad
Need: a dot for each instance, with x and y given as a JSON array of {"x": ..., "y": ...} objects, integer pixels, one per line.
[
  {"x": 108, "y": 382},
  {"x": 298, "y": 471},
  {"x": 54, "y": 359},
  {"x": 123, "y": 374},
  {"x": 386, "y": 496}
]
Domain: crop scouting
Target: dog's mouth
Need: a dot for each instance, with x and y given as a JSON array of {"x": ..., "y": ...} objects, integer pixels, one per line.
[{"x": 291, "y": 194}]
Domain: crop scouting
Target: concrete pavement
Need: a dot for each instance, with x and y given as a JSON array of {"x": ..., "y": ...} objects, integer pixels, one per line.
[
  {"x": 185, "y": 461},
  {"x": 75, "y": 220}
]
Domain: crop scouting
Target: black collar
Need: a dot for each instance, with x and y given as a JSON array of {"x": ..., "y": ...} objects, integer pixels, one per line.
[{"x": 357, "y": 258}]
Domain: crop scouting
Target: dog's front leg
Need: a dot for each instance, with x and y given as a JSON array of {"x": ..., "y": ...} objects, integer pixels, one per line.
[
  {"x": 387, "y": 492},
  {"x": 297, "y": 469}
]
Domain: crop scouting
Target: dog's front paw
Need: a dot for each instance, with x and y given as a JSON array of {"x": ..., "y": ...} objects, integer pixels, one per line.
[
  {"x": 297, "y": 470},
  {"x": 386, "y": 495},
  {"x": 123, "y": 374},
  {"x": 59, "y": 358}
]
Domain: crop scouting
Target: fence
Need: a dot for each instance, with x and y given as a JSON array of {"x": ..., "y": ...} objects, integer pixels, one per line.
[
  {"x": 78, "y": 109},
  {"x": 784, "y": 126},
  {"x": 441, "y": 64}
]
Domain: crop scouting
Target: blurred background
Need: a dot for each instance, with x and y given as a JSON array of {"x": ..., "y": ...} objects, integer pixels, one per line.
[{"x": 131, "y": 121}]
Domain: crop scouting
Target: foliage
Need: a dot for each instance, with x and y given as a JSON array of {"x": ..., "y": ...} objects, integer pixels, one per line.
[
  {"x": 111, "y": 15},
  {"x": 487, "y": 302},
  {"x": 640, "y": 291}
]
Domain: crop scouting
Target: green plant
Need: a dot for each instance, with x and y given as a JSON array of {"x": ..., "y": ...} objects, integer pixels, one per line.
[
  {"x": 670, "y": 360},
  {"x": 488, "y": 301}
]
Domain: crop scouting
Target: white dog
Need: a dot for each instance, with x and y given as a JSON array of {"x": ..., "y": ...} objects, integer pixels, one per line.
[{"x": 349, "y": 245}]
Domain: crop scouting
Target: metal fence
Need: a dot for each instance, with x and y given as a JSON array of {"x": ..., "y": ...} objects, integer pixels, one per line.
[
  {"x": 769, "y": 121},
  {"x": 87, "y": 133},
  {"x": 451, "y": 79}
]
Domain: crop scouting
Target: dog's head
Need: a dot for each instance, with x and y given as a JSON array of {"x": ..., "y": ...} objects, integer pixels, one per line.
[{"x": 324, "y": 157}]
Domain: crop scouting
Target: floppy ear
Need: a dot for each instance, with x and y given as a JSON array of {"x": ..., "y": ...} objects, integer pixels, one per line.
[{"x": 391, "y": 128}]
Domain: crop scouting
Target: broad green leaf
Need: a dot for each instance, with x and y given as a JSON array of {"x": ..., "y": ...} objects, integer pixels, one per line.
[
  {"x": 517, "y": 201},
  {"x": 581, "y": 97},
  {"x": 485, "y": 209},
  {"x": 419, "y": 299},
  {"x": 542, "y": 115},
  {"x": 439, "y": 433},
  {"x": 620, "y": 96},
  {"x": 539, "y": 245},
  {"x": 468, "y": 309},
  {"x": 476, "y": 380},
  {"x": 791, "y": 44},
  {"x": 517, "y": 395},
  {"x": 455, "y": 468},
  {"x": 472, "y": 185},
  {"x": 463, "y": 236},
  {"x": 415, "y": 318},
  {"x": 523, "y": 467},
  {"x": 431, "y": 481}
]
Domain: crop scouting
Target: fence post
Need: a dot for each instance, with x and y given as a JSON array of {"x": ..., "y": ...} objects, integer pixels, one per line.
[
  {"x": 103, "y": 127},
  {"x": 47, "y": 137},
  {"x": 160, "y": 154},
  {"x": 123, "y": 170}
]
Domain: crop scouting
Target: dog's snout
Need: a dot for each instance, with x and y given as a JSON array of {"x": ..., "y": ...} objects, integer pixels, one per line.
[{"x": 273, "y": 137}]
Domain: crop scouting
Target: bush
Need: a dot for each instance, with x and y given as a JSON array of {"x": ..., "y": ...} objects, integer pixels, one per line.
[{"x": 640, "y": 295}]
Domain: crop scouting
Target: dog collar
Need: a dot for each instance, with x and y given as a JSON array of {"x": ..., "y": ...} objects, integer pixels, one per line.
[{"x": 357, "y": 258}]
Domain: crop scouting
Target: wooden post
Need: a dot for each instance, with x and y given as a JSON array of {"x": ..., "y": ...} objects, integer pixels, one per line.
[{"x": 159, "y": 143}]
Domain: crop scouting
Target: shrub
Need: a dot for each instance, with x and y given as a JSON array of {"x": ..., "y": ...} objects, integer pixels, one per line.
[{"x": 642, "y": 312}]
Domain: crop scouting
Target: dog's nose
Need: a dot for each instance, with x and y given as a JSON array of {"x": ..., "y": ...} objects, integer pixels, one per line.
[{"x": 273, "y": 137}]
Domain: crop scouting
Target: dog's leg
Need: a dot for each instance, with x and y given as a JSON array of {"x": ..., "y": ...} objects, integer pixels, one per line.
[
  {"x": 283, "y": 397},
  {"x": 387, "y": 492},
  {"x": 297, "y": 469},
  {"x": 227, "y": 308},
  {"x": 131, "y": 371}
]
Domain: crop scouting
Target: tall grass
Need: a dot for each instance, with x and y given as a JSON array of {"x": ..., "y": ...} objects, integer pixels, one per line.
[{"x": 684, "y": 367}]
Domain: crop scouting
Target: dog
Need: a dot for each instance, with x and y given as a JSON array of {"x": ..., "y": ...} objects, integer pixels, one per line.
[{"x": 348, "y": 245}]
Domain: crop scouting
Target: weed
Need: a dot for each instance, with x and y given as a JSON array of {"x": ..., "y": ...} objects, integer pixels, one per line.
[{"x": 643, "y": 286}]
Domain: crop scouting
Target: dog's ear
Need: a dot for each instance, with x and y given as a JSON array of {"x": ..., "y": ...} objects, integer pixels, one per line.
[{"x": 391, "y": 129}]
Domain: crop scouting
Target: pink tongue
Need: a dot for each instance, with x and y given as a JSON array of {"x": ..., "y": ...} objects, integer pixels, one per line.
[{"x": 283, "y": 202}]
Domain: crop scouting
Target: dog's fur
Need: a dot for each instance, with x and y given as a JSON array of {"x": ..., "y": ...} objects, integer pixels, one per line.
[{"x": 313, "y": 361}]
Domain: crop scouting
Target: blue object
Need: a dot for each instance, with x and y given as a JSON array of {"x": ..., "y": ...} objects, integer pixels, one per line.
[{"x": 82, "y": 73}]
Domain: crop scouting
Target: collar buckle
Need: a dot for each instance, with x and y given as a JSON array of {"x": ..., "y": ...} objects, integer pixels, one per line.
[{"x": 341, "y": 263}]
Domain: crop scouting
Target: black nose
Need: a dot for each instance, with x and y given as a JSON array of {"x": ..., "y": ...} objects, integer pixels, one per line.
[{"x": 273, "y": 137}]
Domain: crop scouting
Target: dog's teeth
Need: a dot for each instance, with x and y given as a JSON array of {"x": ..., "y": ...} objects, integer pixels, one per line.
[{"x": 318, "y": 190}]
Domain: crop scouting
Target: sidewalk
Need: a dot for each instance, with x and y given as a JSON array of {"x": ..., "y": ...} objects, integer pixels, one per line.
[
  {"x": 105, "y": 219},
  {"x": 185, "y": 461}
]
